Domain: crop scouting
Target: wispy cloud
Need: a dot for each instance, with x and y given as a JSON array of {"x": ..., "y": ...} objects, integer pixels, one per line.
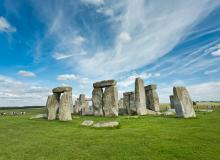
[
  {"x": 208, "y": 72},
  {"x": 93, "y": 2},
  {"x": 5, "y": 26},
  {"x": 66, "y": 77},
  {"x": 26, "y": 73}
]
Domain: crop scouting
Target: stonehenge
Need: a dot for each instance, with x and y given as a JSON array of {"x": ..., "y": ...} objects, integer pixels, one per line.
[
  {"x": 183, "y": 103},
  {"x": 60, "y": 103},
  {"x": 152, "y": 99},
  {"x": 105, "y": 98},
  {"x": 144, "y": 100}
]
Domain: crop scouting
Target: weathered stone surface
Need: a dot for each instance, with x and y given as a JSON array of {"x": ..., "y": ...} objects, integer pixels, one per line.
[
  {"x": 129, "y": 102},
  {"x": 77, "y": 108},
  {"x": 110, "y": 101},
  {"x": 84, "y": 104},
  {"x": 171, "y": 101},
  {"x": 97, "y": 102},
  {"x": 62, "y": 89},
  {"x": 140, "y": 100},
  {"x": 152, "y": 99},
  {"x": 150, "y": 112},
  {"x": 151, "y": 87},
  {"x": 52, "y": 106},
  {"x": 121, "y": 109},
  {"x": 87, "y": 123},
  {"x": 106, "y": 124},
  {"x": 105, "y": 83},
  {"x": 183, "y": 103},
  {"x": 65, "y": 107}
]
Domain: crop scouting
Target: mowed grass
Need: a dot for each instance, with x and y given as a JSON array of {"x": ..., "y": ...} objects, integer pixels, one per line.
[{"x": 147, "y": 138}]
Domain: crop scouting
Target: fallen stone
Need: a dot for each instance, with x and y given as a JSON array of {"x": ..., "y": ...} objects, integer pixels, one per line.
[
  {"x": 132, "y": 117},
  {"x": 87, "y": 123},
  {"x": 62, "y": 89},
  {"x": 39, "y": 116},
  {"x": 105, "y": 83},
  {"x": 183, "y": 103},
  {"x": 204, "y": 110},
  {"x": 97, "y": 102},
  {"x": 169, "y": 112},
  {"x": 112, "y": 124}
]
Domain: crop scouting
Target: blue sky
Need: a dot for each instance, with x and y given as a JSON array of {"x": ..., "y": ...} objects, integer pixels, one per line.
[{"x": 48, "y": 43}]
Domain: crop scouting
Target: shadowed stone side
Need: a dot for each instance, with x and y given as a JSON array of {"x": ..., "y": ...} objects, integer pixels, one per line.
[
  {"x": 172, "y": 102},
  {"x": 52, "y": 107},
  {"x": 152, "y": 99},
  {"x": 65, "y": 107},
  {"x": 110, "y": 101},
  {"x": 140, "y": 100},
  {"x": 97, "y": 94},
  {"x": 183, "y": 103},
  {"x": 129, "y": 102}
]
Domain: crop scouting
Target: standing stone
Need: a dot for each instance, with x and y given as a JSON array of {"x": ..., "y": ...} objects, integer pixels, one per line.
[
  {"x": 84, "y": 105},
  {"x": 52, "y": 107},
  {"x": 152, "y": 99},
  {"x": 65, "y": 107},
  {"x": 183, "y": 103},
  {"x": 110, "y": 101},
  {"x": 171, "y": 102},
  {"x": 77, "y": 106},
  {"x": 122, "y": 110},
  {"x": 140, "y": 100},
  {"x": 129, "y": 102},
  {"x": 97, "y": 102}
]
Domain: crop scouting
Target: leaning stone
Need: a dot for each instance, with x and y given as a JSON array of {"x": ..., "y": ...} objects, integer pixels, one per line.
[
  {"x": 106, "y": 124},
  {"x": 97, "y": 94},
  {"x": 105, "y": 83},
  {"x": 110, "y": 101},
  {"x": 87, "y": 123},
  {"x": 183, "y": 103},
  {"x": 52, "y": 107},
  {"x": 62, "y": 89},
  {"x": 65, "y": 107},
  {"x": 140, "y": 100}
]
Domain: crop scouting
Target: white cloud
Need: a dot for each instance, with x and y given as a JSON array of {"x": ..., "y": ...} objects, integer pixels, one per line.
[
  {"x": 60, "y": 56},
  {"x": 5, "y": 26},
  {"x": 124, "y": 37},
  {"x": 93, "y": 2},
  {"x": 26, "y": 73},
  {"x": 78, "y": 40},
  {"x": 131, "y": 79},
  {"x": 216, "y": 53},
  {"x": 208, "y": 72},
  {"x": 157, "y": 74},
  {"x": 65, "y": 77},
  {"x": 17, "y": 93},
  {"x": 105, "y": 11},
  {"x": 154, "y": 33}
]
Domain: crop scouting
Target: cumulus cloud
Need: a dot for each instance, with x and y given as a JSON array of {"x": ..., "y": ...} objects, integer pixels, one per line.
[
  {"x": 66, "y": 77},
  {"x": 18, "y": 93},
  {"x": 124, "y": 37},
  {"x": 26, "y": 73},
  {"x": 5, "y": 26}
]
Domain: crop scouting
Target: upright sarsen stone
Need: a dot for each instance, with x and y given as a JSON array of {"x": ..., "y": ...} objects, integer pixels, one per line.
[
  {"x": 97, "y": 101},
  {"x": 129, "y": 102},
  {"x": 152, "y": 98},
  {"x": 65, "y": 107},
  {"x": 183, "y": 103},
  {"x": 140, "y": 100},
  {"x": 52, "y": 106},
  {"x": 110, "y": 101}
]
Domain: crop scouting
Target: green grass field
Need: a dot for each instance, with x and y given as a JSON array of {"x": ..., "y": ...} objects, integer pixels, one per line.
[{"x": 147, "y": 138}]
